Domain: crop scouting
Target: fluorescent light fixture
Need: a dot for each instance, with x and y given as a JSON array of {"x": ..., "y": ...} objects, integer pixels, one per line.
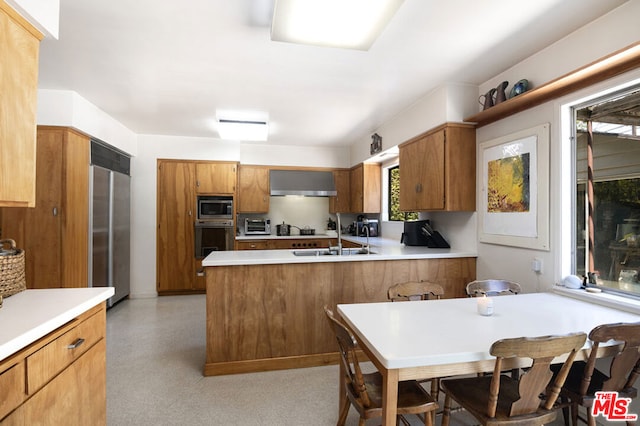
[
  {"x": 350, "y": 24},
  {"x": 242, "y": 126}
]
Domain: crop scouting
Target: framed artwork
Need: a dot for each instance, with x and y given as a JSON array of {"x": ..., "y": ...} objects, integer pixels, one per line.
[{"x": 514, "y": 193}]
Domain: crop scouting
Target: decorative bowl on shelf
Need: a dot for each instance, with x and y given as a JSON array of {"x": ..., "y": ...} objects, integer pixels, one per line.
[{"x": 519, "y": 88}]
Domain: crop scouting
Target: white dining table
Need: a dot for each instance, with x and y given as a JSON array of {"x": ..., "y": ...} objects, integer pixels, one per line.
[{"x": 447, "y": 337}]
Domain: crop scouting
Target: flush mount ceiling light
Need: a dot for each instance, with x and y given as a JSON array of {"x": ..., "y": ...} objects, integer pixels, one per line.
[
  {"x": 350, "y": 24},
  {"x": 247, "y": 127}
]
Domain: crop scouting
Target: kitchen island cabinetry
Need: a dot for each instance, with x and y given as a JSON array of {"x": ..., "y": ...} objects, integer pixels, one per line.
[
  {"x": 176, "y": 260},
  {"x": 253, "y": 189},
  {"x": 54, "y": 234},
  {"x": 19, "y": 49},
  {"x": 341, "y": 203},
  {"x": 266, "y": 314},
  {"x": 438, "y": 170},
  {"x": 365, "y": 188},
  {"x": 59, "y": 378},
  {"x": 216, "y": 177}
]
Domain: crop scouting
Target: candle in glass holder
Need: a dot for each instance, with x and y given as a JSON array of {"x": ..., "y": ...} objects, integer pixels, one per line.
[{"x": 485, "y": 305}]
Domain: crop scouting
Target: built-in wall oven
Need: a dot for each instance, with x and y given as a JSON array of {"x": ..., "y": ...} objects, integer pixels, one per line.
[
  {"x": 214, "y": 228},
  {"x": 213, "y": 235}
]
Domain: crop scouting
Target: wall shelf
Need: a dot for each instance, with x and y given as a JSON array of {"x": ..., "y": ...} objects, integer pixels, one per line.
[{"x": 609, "y": 66}]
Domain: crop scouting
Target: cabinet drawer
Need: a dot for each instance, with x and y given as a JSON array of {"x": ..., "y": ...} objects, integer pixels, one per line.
[
  {"x": 47, "y": 362},
  {"x": 12, "y": 388}
]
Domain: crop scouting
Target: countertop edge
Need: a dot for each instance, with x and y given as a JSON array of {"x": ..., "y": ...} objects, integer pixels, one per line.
[{"x": 33, "y": 313}]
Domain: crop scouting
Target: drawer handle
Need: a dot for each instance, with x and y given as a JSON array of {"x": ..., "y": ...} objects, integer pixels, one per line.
[{"x": 75, "y": 344}]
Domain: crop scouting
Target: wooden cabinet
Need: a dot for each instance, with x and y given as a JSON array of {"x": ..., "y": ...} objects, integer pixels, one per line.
[
  {"x": 253, "y": 189},
  {"x": 176, "y": 212},
  {"x": 438, "y": 170},
  {"x": 19, "y": 46},
  {"x": 341, "y": 203},
  {"x": 54, "y": 234},
  {"x": 365, "y": 188},
  {"x": 216, "y": 177},
  {"x": 71, "y": 361}
]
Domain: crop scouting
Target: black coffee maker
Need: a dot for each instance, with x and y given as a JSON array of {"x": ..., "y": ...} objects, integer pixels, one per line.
[{"x": 420, "y": 233}]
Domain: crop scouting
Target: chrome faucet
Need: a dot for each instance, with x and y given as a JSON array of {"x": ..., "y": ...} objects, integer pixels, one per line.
[
  {"x": 367, "y": 247},
  {"x": 338, "y": 248}
]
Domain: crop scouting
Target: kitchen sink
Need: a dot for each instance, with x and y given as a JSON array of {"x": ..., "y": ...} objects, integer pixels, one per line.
[{"x": 325, "y": 252}]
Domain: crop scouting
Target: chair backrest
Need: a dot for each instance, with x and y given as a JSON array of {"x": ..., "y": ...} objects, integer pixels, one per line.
[
  {"x": 347, "y": 344},
  {"x": 492, "y": 288},
  {"x": 625, "y": 364},
  {"x": 536, "y": 380},
  {"x": 415, "y": 290}
]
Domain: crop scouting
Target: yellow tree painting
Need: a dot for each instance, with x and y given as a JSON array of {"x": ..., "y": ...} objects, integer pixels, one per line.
[{"x": 508, "y": 184}]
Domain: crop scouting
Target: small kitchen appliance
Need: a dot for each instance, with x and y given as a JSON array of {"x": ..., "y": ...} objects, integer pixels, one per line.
[
  {"x": 420, "y": 233},
  {"x": 261, "y": 226},
  {"x": 215, "y": 207},
  {"x": 372, "y": 224}
]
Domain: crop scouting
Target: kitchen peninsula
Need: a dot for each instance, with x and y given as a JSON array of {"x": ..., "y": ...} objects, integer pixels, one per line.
[{"x": 264, "y": 307}]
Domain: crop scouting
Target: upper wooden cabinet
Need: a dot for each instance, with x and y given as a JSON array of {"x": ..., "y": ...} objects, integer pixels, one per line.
[
  {"x": 341, "y": 203},
  {"x": 365, "y": 188},
  {"x": 19, "y": 46},
  {"x": 438, "y": 170},
  {"x": 216, "y": 177},
  {"x": 253, "y": 189},
  {"x": 54, "y": 234}
]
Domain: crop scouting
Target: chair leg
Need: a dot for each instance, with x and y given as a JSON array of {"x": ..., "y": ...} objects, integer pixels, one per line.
[
  {"x": 435, "y": 388},
  {"x": 361, "y": 422},
  {"x": 447, "y": 410},
  {"x": 591, "y": 421},
  {"x": 344, "y": 410},
  {"x": 575, "y": 411}
]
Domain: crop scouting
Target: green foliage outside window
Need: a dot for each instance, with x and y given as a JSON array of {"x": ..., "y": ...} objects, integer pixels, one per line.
[{"x": 394, "y": 198}]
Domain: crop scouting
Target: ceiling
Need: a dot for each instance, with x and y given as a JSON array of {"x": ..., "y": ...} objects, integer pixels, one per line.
[{"x": 165, "y": 67}]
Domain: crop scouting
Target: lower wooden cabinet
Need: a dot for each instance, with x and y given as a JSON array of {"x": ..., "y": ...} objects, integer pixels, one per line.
[{"x": 59, "y": 380}]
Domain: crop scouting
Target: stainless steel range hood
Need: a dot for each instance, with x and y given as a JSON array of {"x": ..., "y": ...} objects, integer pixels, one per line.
[{"x": 302, "y": 182}]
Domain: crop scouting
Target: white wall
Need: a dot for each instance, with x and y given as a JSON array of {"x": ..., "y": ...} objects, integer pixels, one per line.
[
  {"x": 67, "y": 108},
  {"x": 610, "y": 33}
]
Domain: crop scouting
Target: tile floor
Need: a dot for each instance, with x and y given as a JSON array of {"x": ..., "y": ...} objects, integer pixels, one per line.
[{"x": 155, "y": 356}]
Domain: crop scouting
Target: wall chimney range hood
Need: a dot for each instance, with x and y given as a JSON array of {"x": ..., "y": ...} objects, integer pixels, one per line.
[{"x": 307, "y": 183}]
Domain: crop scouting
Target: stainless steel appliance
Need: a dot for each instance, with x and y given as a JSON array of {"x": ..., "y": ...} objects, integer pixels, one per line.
[
  {"x": 109, "y": 220},
  {"x": 372, "y": 224},
  {"x": 260, "y": 226},
  {"x": 215, "y": 207},
  {"x": 213, "y": 235}
]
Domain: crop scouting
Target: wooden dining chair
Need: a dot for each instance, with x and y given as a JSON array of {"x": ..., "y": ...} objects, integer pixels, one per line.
[
  {"x": 364, "y": 390},
  {"x": 492, "y": 288},
  {"x": 418, "y": 290},
  {"x": 502, "y": 400},
  {"x": 584, "y": 379},
  {"x": 415, "y": 290}
]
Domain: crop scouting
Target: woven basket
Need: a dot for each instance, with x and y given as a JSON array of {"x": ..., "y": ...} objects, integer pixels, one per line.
[{"x": 12, "y": 278}]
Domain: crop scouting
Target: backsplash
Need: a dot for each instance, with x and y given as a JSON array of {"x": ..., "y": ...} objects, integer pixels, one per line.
[{"x": 300, "y": 211}]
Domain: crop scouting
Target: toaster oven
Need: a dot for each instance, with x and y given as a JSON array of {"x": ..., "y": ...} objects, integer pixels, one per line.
[{"x": 257, "y": 226}]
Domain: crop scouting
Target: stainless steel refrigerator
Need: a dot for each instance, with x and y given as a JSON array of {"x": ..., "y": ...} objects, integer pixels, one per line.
[{"x": 109, "y": 221}]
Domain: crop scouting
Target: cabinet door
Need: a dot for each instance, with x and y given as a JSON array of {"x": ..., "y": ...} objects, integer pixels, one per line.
[
  {"x": 253, "y": 245},
  {"x": 37, "y": 230},
  {"x": 19, "y": 44},
  {"x": 422, "y": 182},
  {"x": 176, "y": 219},
  {"x": 356, "y": 179},
  {"x": 253, "y": 193},
  {"x": 216, "y": 178},
  {"x": 77, "y": 396},
  {"x": 341, "y": 203}
]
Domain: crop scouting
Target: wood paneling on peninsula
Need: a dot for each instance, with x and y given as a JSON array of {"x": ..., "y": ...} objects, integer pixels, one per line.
[{"x": 268, "y": 317}]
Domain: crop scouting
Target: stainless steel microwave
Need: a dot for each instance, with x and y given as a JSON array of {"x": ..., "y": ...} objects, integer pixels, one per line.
[{"x": 215, "y": 207}]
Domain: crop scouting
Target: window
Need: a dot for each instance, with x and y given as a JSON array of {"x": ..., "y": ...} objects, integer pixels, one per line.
[
  {"x": 607, "y": 173},
  {"x": 394, "y": 198}
]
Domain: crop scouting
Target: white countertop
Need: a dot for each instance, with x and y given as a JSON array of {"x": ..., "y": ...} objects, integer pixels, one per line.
[
  {"x": 31, "y": 314},
  {"x": 382, "y": 248},
  {"x": 451, "y": 331}
]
